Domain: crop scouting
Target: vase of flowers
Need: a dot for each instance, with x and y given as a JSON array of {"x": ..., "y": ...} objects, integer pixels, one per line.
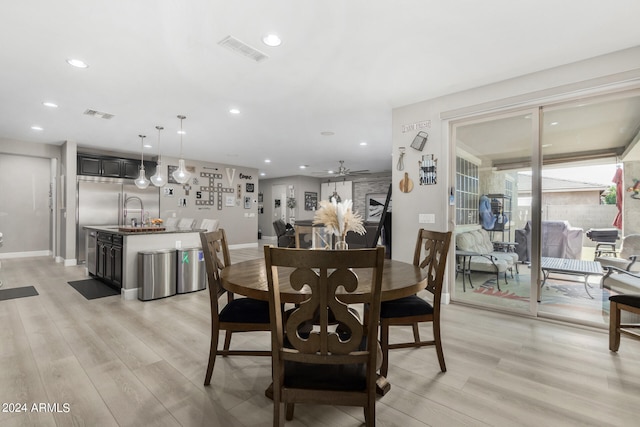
[{"x": 338, "y": 218}]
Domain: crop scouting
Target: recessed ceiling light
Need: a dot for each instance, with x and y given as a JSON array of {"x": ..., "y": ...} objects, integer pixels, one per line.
[
  {"x": 50, "y": 104},
  {"x": 262, "y": 174},
  {"x": 267, "y": 160},
  {"x": 330, "y": 172},
  {"x": 272, "y": 40},
  {"x": 546, "y": 145},
  {"x": 77, "y": 63},
  {"x": 363, "y": 143},
  {"x": 554, "y": 123},
  {"x": 147, "y": 145},
  {"x": 327, "y": 133},
  {"x": 303, "y": 166},
  {"x": 38, "y": 128},
  {"x": 234, "y": 111},
  {"x": 182, "y": 132}
]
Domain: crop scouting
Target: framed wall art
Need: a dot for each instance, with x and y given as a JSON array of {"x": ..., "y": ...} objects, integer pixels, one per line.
[{"x": 310, "y": 201}]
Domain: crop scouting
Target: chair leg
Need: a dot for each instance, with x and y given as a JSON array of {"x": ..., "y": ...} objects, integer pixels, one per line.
[
  {"x": 384, "y": 346},
  {"x": 290, "y": 408},
  {"x": 614, "y": 327},
  {"x": 278, "y": 414},
  {"x": 438, "y": 341},
  {"x": 227, "y": 340},
  {"x": 416, "y": 333},
  {"x": 370, "y": 413},
  {"x": 213, "y": 350}
]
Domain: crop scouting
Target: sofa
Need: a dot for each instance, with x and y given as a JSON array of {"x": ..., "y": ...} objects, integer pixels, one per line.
[
  {"x": 559, "y": 240},
  {"x": 488, "y": 259}
]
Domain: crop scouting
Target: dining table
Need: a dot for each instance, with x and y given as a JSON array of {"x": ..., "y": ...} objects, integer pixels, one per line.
[{"x": 399, "y": 279}]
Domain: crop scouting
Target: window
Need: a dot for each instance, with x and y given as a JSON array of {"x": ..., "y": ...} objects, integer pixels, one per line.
[{"x": 467, "y": 187}]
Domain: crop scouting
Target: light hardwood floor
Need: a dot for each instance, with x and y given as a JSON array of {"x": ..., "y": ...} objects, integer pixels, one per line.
[{"x": 133, "y": 363}]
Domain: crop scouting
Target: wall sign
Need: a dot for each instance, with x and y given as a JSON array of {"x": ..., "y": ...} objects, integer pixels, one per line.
[
  {"x": 310, "y": 201},
  {"x": 249, "y": 187},
  {"x": 424, "y": 124}
]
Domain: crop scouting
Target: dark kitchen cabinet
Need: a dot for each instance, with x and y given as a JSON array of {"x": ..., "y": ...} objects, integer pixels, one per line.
[
  {"x": 112, "y": 167},
  {"x": 130, "y": 169},
  {"x": 109, "y": 259}
]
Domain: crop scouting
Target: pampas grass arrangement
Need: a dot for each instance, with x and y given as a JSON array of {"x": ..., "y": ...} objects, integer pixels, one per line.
[{"x": 338, "y": 218}]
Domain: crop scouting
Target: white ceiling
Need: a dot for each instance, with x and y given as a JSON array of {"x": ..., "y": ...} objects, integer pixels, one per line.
[{"x": 342, "y": 67}]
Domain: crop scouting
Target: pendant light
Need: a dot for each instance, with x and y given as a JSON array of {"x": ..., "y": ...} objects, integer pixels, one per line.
[
  {"x": 158, "y": 179},
  {"x": 142, "y": 182},
  {"x": 181, "y": 175}
]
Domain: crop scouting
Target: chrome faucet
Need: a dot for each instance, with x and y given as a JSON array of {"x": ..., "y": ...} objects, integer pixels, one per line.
[{"x": 124, "y": 207}]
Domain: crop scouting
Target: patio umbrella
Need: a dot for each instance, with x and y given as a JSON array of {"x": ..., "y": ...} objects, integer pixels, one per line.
[{"x": 617, "y": 179}]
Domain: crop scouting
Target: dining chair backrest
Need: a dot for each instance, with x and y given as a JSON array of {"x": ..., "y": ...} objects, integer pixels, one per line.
[
  {"x": 324, "y": 348},
  {"x": 303, "y": 236},
  {"x": 431, "y": 251},
  {"x": 216, "y": 256}
]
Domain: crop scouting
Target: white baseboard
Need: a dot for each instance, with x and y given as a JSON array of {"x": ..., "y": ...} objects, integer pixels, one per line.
[
  {"x": 70, "y": 262},
  {"x": 59, "y": 259},
  {"x": 446, "y": 298},
  {"x": 129, "y": 294},
  {"x": 10, "y": 255}
]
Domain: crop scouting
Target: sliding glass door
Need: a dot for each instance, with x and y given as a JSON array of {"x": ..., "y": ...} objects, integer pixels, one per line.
[
  {"x": 493, "y": 212},
  {"x": 535, "y": 182}
]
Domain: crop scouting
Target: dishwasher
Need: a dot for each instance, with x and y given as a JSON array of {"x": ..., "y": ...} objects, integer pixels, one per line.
[{"x": 90, "y": 251}]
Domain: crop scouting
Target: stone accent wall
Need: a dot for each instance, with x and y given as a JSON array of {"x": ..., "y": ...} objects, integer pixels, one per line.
[{"x": 362, "y": 188}]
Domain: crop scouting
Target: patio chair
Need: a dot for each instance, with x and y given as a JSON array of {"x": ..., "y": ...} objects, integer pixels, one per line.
[{"x": 629, "y": 253}]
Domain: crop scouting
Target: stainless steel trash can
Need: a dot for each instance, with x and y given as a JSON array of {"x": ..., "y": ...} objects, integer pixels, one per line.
[
  {"x": 156, "y": 274},
  {"x": 192, "y": 273}
]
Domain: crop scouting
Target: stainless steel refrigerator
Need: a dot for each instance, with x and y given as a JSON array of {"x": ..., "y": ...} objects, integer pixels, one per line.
[{"x": 101, "y": 202}]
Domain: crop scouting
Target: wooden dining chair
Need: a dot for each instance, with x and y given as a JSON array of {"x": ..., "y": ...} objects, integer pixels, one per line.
[
  {"x": 303, "y": 236},
  {"x": 412, "y": 310},
  {"x": 620, "y": 303},
  {"x": 324, "y": 365},
  {"x": 237, "y": 315}
]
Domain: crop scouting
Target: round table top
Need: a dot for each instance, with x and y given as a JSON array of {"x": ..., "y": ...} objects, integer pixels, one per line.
[{"x": 249, "y": 278}]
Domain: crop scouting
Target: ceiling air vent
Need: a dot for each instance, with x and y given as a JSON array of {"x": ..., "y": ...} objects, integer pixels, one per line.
[
  {"x": 243, "y": 49},
  {"x": 98, "y": 114}
]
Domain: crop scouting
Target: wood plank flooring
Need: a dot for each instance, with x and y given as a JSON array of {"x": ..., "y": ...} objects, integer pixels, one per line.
[{"x": 133, "y": 363}]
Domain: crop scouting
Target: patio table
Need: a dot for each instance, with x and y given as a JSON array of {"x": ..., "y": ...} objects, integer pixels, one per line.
[{"x": 574, "y": 267}]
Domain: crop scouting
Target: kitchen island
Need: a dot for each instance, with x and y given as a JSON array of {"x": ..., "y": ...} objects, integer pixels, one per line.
[{"x": 120, "y": 246}]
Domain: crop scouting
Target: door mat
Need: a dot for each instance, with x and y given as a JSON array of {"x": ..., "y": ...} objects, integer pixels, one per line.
[
  {"x": 92, "y": 288},
  {"x": 11, "y": 293}
]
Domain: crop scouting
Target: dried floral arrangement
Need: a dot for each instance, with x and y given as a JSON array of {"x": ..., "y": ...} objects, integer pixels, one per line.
[{"x": 338, "y": 218}]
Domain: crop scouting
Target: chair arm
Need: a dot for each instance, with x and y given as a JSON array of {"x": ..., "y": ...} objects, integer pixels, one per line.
[{"x": 611, "y": 270}]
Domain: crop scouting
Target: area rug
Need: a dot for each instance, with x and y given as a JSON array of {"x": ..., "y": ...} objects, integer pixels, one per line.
[
  {"x": 92, "y": 289},
  {"x": 12, "y": 293}
]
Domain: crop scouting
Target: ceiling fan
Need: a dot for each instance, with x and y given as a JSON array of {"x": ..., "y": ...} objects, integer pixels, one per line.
[{"x": 343, "y": 171}]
